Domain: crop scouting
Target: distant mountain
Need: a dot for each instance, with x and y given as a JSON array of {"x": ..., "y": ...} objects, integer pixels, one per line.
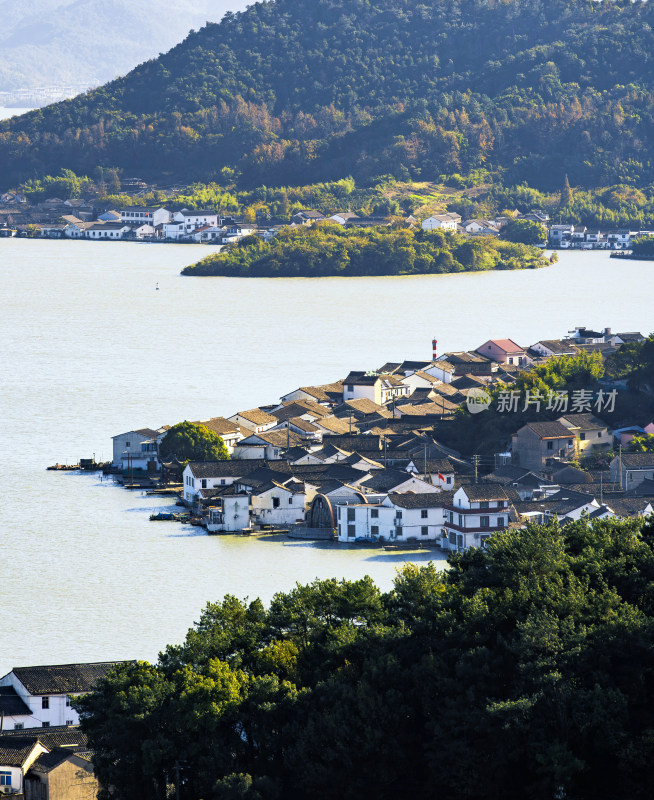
[
  {"x": 303, "y": 90},
  {"x": 45, "y": 42}
]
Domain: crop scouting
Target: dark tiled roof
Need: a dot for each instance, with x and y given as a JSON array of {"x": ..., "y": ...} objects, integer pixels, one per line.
[
  {"x": 549, "y": 430},
  {"x": 428, "y": 500},
  {"x": 11, "y": 704},
  {"x": 638, "y": 460},
  {"x": 387, "y": 479},
  {"x": 219, "y": 425},
  {"x": 69, "y": 736},
  {"x": 487, "y": 491},
  {"x": 585, "y": 422},
  {"x": 14, "y": 753},
  {"x": 257, "y": 417},
  {"x": 236, "y": 468},
  {"x": 63, "y": 678},
  {"x": 46, "y": 762}
]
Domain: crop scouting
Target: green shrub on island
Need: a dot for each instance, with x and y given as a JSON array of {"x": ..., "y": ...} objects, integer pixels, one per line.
[
  {"x": 524, "y": 670},
  {"x": 329, "y": 249}
]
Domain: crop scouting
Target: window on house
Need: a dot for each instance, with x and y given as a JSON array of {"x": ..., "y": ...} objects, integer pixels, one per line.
[
  {"x": 290, "y": 501},
  {"x": 569, "y": 442},
  {"x": 500, "y": 522},
  {"x": 222, "y": 481},
  {"x": 18, "y": 726},
  {"x": 128, "y": 444},
  {"x": 483, "y": 504},
  {"x": 599, "y": 434},
  {"x": 67, "y": 701},
  {"x": 351, "y": 531},
  {"x": 350, "y": 515},
  {"x": 452, "y": 537},
  {"x": 339, "y": 512},
  {"x": 45, "y": 724},
  {"x": 69, "y": 722},
  {"x": 374, "y": 530},
  {"x": 424, "y": 530},
  {"x": 461, "y": 520},
  {"x": 5, "y": 778},
  {"x": 350, "y": 388},
  {"x": 374, "y": 512},
  {"x": 550, "y": 445},
  {"x": 275, "y": 502},
  {"x": 582, "y": 436},
  {"x": 484, "y": 522},
  {"x": 204, "y": 483},
  {"x": 448, "y": 479},
  {"x": 45, "y": 702},
  {"x": 424, "y": 513}
]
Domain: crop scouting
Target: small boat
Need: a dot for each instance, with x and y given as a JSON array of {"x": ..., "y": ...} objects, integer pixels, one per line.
[{"x": 163, "y": 516}]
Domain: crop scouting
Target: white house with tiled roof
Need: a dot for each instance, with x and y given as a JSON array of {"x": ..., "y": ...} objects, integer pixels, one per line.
[
  {"x": 135, "y": 449},
  {"x": 504, "y": 351},
  {"x": 473, "y": 514},
  {"x": 254, "y": 420},
  {"x": 206, "y": 475},
  {"x": 448, "y": 222},
  {"x": 41, "y": 695}
]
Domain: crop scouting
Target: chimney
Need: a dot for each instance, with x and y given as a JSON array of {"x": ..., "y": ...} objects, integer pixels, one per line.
[{"x": 434, "y": 349}]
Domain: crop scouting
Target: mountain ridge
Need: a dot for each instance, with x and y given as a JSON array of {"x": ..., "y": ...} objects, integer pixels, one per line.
[{"x": 298, "y": 91}]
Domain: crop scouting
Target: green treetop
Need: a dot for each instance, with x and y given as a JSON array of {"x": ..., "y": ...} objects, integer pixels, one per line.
[{"x": 190, "y": 442}]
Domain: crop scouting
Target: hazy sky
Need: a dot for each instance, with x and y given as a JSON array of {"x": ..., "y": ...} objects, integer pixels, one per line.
[{"x": 45, "y": 42}]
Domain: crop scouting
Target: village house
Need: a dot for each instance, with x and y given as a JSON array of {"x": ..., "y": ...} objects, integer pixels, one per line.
[
  {"x": 553, "y": 348},
  {"x": 307, "y": 217},
  {"x": 191, "y": 220},
  {"x": 473, "y": 515},
  {"x": 536, "y": 442},
  {"x": 39, "y": 697},
  {"x": 631, "y": 469},
  {"x": 200, "y": 477},
  {"x": 504, "y": 351},
  {"x": 16, "y": 758},
  {"x": 107, "y": 230},
  {"x": 254, "y": 420},
  {"x": 448, "y": 222},
  {"x": 61, "y": 775},
  {"x": 269, "y": 446},
  {"x": 344, "y": 217},
  {"x": 589, "y": 431},
  {"x": 437, "y": 471},
  {"x": 228, "y": 431},
  {"x": 141, "y": 215},
  {"x": 135, "y": 450}
]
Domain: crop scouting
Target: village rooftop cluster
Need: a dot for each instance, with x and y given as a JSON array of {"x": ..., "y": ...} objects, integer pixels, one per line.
[
  {"x": 361, "y": 459},
  {"x": 80, "y": 219}
]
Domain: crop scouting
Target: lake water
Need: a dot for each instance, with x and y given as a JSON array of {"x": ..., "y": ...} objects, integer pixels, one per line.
[{"x": 91, "y": 349}]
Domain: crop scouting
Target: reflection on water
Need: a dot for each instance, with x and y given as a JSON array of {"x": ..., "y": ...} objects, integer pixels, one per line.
[{"x": 91, "y": 349}]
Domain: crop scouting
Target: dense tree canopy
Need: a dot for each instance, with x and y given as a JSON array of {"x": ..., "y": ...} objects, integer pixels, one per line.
[
  {"x": 525, "y": 670},
  {"x": 295, "y": 91},
  {"x": 524, "y": 231},
  {"x": 189, "y": 442},
  {"x": 330, "y": 249}
]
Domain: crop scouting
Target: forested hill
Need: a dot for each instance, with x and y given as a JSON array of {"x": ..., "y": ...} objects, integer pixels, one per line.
[{"x": 301, "y": 90}]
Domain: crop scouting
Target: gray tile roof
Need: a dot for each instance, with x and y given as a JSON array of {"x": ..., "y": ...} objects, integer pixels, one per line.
[
  {"x": 63, "y": 678},
  {"x": 487, "y": 491},
  {"x": 549, "y": 430},
  {"x": 69, "y": 736},
  {"x": 235, "y": 468},
  {"x": 14, "y": 753},
  {"x": 428, "y": 500}
]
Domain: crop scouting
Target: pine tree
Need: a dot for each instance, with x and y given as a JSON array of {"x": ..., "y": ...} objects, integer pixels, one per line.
[{"x": 566, "y": 193}]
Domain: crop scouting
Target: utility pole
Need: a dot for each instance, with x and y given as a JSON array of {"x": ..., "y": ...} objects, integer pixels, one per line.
[
  {"x": 177, "y": 780},
  {"x": 475, "y": 463},
  {"x": 620, "y": 463}
]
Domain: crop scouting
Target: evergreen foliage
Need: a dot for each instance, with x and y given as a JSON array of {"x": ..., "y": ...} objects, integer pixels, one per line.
[
  {"x": 328, "y": 249},
  {"x": 189, "y": 442},
  {"x": 525, "y": 670},
  {"x": 294, "y": 91}
]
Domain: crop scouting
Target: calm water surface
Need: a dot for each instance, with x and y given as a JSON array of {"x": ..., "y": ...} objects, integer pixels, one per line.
[{"x": 90, "y": 349}]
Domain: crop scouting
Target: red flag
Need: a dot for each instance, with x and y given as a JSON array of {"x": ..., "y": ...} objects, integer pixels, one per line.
[{"x": 441, "y": 477}]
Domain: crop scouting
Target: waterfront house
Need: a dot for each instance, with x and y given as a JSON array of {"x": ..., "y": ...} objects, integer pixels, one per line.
[
  {"x": 437, "y": 471},
  {"x": 191, "y": 220},
  {"x": 536, "y": 442},
  {"x": 328, "y": 394},
  {"x": 202, "y": 476},
  {"x": 560, "y": 235},
  {"x": 61, "y": 775},
  {"x": 549, "y": 348},
  {"x": 448, "y": 222},
  {"x": 473, "y": 515},
  {"x": 107, "y": 230},
  {"x": 135, "y": 450},
  {"x": 39, "y": 697},
  {"x": 141, "y": 215},
  {"x": 173, "y": 230}
]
